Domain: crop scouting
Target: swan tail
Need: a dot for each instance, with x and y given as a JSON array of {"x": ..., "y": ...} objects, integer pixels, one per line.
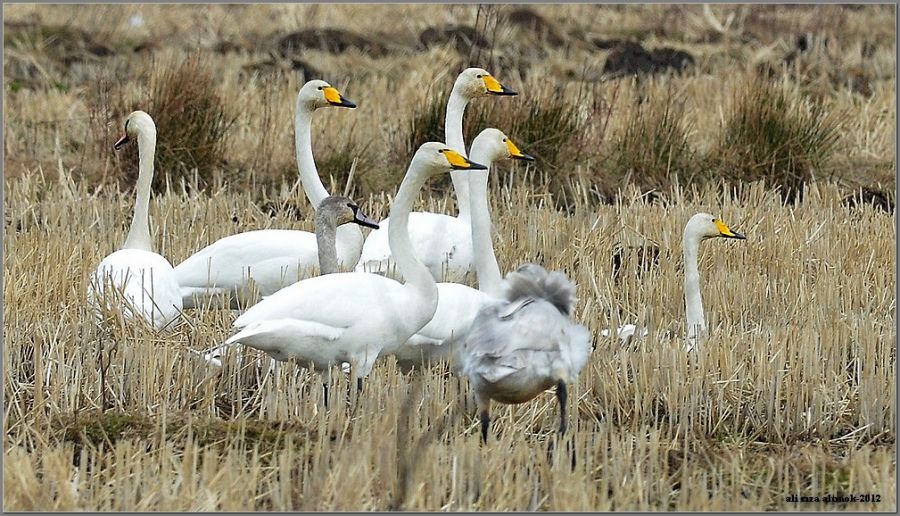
[{"x": 534, "y": 281}]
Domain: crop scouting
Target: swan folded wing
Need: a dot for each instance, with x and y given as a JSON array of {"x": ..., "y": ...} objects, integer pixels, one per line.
[
  {"x": 458, "y": 305},
  {"x": 144, "y": 283},
  {"x": 290, "y": 338},
  {"x": 535, "y": 336},
  {"x": 337, "y": 300},
  {"x": 436, "y": 239},
  {"x": 225, "y": 262}
]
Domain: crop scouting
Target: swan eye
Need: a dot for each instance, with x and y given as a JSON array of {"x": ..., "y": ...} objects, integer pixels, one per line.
[
  {"x": 714, "y": 221},
  {"x": 320, "y": 88},
  {"x": 504, "y": 140},
  {"x": 479, "y": 76},
  {"x": 441, "y": 151}
]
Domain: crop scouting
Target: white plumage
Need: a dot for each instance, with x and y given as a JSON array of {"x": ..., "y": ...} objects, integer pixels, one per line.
[
  {"x": 459, "y": 304},
  {"x": 272, "y": 258},
  {"x": 442, "y": 242},
  {"x": 135, "y": 280},
  {"x": 351, "y": 317}
]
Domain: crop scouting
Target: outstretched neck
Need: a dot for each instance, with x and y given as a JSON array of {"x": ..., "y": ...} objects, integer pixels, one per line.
[
  {"x": 309, "y": 175},
  {"x": 139, "y": 233},
  {"x": 453, "y": 134},
  {"x": 693, "y": 303},
  {"x": 325, "y": 241},
  {"x": 486, "y": 267},
  {"x": 416, "y": 275}
]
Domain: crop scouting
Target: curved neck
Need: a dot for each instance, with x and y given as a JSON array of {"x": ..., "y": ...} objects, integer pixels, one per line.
[
  {"x": 486, "y": 268},
  {"x": 139, "y": 233},
  {"x": 325, "y": 229},
  {"x": 693, "y": 304},
  {"x": 416, "y": 275},
  {"x": 453, "y": 134},
  {"x": 309, "y": 175}
]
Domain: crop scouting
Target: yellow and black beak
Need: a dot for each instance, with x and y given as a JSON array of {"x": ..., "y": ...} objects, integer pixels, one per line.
[
  {"x": 362, "y": 219},
  {"x": 334, "y": 97},
  {"x": 726, "y": 231},
  {"x": 459, "y": 162},
  {"x": 121, "y": 142},
  {"x": 494, "y": 87},
  {"x": 515, "y": 153}
]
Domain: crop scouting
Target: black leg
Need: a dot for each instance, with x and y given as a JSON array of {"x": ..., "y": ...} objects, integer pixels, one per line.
[
  {"x": 359, "y": 385},
  {"x": 485, "y": 425},
  {"x": 562, "y": 396},
  {"x": 325, "y": 390}
]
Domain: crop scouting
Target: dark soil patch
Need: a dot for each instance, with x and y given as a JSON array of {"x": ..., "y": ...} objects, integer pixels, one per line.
[
  {"x": 334, "y": 41},
  {"x": 537, "y": 25},
  {"x": 631, "y": 58},
  {"x": 463, "y": 38},
  {"x": 276, "y": 65},
  {"x": 878, "y": 199}
]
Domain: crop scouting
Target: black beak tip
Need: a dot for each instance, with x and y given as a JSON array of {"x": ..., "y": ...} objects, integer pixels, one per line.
[
  {"x": 506, "y": 92},
  {"x": 526, "y": 157},
  {"x": 371, "y": 225},
  {"x": 476, "y": 166},
  {"x": 347, "y": 104}
]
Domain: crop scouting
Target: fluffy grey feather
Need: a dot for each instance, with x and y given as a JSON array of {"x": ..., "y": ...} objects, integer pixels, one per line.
[{"x": 534, "y": 281}]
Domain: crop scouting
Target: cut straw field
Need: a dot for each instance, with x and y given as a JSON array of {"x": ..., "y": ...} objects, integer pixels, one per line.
[{"x": 793, "y": 392}]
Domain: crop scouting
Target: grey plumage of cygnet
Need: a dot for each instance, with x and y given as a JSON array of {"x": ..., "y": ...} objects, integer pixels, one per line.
[
  {"x": 331, "y": 213},
  {"x": 524, "y": 343}
]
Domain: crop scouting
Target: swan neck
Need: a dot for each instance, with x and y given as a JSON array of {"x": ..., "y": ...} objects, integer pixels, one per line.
[
  {"x": 453, "y": 134},
  {"x": 309, "y": 175},
  {"x": 416, "y": 275},
  {"x": 325, "y": 241},
  {"x": 486, "y": 268},
  {"x": 693, "y": 303},
  {"x": 139, "y": 233}
]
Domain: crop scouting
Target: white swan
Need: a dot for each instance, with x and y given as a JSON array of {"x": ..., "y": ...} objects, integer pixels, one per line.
[
  {"x": 699, "y": 227},
  {"x": 524, "y": 344},
  {"x": 442, "y": 242},
  {"x": 273, "y": 258},
  {"x": 459, "y": 304},
  {"x": 333, "y": 211},
  {"x": 144, "y": 279},
  {"x": 350, "y": 317}
]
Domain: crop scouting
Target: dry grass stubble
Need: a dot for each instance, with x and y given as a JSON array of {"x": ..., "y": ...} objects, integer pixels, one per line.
[{"x": 793, "y": 393}]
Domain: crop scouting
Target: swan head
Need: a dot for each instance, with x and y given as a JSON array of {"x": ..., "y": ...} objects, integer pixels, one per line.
[
  {"x": 491, "y": 144},
  {"x": 477, "y": 82},
  {"x": 436, "y": 158},
  {"x": 138, "y": 122},
  {"x": 704, "y": 225},
  {"x": 319, "y": 94},
  {"x": 342, "y": 210}
]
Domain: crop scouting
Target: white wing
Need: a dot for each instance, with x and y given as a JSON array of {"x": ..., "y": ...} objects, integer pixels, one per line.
[
  {"x": 443, "y": 243},
  {"x": 143, "y": 286}
]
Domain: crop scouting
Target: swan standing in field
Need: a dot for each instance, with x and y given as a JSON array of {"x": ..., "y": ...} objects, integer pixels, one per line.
[
  {"x": 145, "y": 279},
  {"x": 458, "y": 304},
  {"x": 350, "y": 317},
  {"x": 332, "y": 212},
  {"x": 522, "y": 345},
  {"x": 273, "y": 258},
  {"x": 699, "y": 227},
  {"x": 442, "y": 242}
]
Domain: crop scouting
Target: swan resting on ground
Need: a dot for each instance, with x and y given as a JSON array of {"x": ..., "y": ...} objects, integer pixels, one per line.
[
  {"x": 524, "y": 344},
  {"x": 134, "y": 279},
  {"x": 459, "y": 304},
  {"x": 442, "y": 242},
  {"x": 350, "y": 317},
  {"x": 699, "y": 227},
  {"x": 273, "y": 258}
]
